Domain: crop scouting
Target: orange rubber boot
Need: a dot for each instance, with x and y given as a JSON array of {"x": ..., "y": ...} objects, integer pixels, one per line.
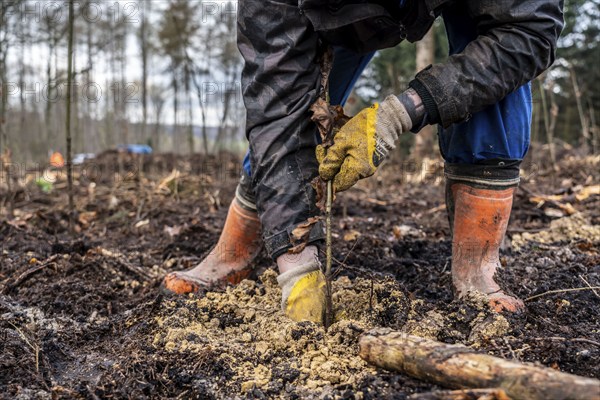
[
  {"x": 229, "y": 261},
  {"x": 479, "y": 224}
]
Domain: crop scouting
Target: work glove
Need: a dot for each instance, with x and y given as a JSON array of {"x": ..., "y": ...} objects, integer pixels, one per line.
[
  {"x": 303, "y": 293},
  {"x": 363, "y": 143}
]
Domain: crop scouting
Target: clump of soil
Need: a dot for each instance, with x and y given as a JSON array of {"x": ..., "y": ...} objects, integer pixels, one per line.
[
  {"x": 568, "y": 229},
  {"x": 262, "y": 349}
]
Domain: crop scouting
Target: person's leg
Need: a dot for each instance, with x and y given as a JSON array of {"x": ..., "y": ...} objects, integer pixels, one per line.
[
  {"x": 301, "y": 280},
  {"x": 482, "y": 158},
  {"x": 239, "y": 243},
  {"x": 240, "y": 239}
]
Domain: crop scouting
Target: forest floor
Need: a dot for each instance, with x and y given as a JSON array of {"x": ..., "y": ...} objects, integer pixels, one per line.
[{"x": 81, "y": 314}]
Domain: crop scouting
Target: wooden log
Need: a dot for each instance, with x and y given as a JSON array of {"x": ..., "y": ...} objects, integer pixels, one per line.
[
  {"x": 462, "y": 394},
  {"x": 458, "y": 366}
]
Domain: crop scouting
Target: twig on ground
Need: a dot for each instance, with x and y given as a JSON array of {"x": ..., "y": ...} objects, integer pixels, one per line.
[
  {"x": 562, "y": 339},
  {"x": 343, "y": 263},
  {"x": 35, "y": 348},
  {"x": 562, "y": 291},
  {"x": 328, "y": 257},
  {"x": 588, "y": 284},
  {"x": 28, "y": 273},
  {"x": 139, "y": 209},
  {"x": 122, "y": 260},
  {"x": 512, "y": 352}
]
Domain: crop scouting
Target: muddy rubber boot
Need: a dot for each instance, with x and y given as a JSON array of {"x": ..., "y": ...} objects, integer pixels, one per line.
[
  {"x": 229, "y": 261},
  {"x": 478, "y": 221}
]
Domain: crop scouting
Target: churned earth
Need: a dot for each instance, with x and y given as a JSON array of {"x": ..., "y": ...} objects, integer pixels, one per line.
[{"x": 81, "y": 315}]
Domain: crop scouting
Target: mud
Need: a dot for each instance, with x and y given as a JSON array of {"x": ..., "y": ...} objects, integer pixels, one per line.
[{"x": 81, "y": 315}]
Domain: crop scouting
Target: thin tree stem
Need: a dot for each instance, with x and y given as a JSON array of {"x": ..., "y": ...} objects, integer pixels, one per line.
[
  {"x": 328, "y": 257},
  {"x": 68, "y": 116}
]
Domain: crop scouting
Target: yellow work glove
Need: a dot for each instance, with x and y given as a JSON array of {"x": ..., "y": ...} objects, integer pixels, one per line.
[
  {"x": 363, "y": 143},
  {"x": 303, "y": 293}
]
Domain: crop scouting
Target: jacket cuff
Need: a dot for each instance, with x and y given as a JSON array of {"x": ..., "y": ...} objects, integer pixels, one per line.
[{"x": 431, "y": 109}]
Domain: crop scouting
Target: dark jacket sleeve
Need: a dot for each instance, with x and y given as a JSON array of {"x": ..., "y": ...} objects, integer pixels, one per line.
[{"x": 516, "y": 42}]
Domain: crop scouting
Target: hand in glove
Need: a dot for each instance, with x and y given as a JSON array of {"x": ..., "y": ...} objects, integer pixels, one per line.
[{"x": 363, "y": 143}]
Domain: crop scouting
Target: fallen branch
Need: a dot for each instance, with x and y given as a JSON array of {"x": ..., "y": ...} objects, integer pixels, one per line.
[
  {"x": 589, "y": 286},
  {"x": 35, "y": 348},
  {"x": 457, "y": 366},
  {"x": 561, "y": 291},
  {"x": 469, "y": 394},
  {"x": 122, "y": 260},
  {"x": 562, "y": 339},
  {"x": 29, "y": 273}
]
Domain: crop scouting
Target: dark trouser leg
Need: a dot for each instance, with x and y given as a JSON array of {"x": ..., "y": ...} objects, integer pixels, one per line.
[
  {"x": 282, "y": 137},
  {"x": 280, "y": 81}
]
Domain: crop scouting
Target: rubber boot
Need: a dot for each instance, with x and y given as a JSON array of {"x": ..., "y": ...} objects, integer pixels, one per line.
[
  {"x": 478, "y": 221},
  {"x": 229, "y": 261},
  {"x": 303, "y": 293}
]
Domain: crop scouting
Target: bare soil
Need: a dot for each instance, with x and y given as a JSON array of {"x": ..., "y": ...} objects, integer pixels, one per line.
[{"x": 81, "y": 314}]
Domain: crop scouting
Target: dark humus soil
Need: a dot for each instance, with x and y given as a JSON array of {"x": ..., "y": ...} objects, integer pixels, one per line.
[{"x": 81, "y": 315}]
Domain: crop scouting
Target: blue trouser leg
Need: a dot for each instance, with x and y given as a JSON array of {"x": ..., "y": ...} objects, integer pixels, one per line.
[
  {"x": 500, "y": 131},
  {"x": 346, "y": 69}
]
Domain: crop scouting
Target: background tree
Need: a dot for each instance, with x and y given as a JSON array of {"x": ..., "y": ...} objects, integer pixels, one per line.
[
  {"x": 132, "y": 64},
  {"x": 178, "y": 28}
]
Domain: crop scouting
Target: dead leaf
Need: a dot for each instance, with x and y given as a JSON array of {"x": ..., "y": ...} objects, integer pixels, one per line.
[
  {"x": 351, "y": 235},
  {"x": 169, "y": 184},
  {"x": 300, "y": 234},
  {"x": 554, "y": 213},
  {"x": 401, "y": 231},
  {"x": 587, "y": 192},
  {"x": 323, "y": 118},
  {"x": 320, "y": 187},
  {"x": 141, "y": 223},
  {"x": 568, "y": 208},
  {"x": 113, "y": 202},
  {"x": 86, "y": 218},
  {"x": 173, "y": 230}
]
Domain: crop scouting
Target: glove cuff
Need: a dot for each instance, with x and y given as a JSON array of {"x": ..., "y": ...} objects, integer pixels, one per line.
[
  {"x": 392, "y": 120},
  {"x": 288, "y": 279}
]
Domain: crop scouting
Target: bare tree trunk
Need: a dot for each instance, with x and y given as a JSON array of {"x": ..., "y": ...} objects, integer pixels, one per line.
[
  {"x": 159, "y": 102},
  {"x": 175, "y": 137},
  {"x": 458, "y": 366},
  {"x": 553, "y": 114},
  {"x": 4, "y": 45},
  {"x": 88, "y": 103},
  {"x": 425, "y": 139},
  {"x": 75, "y": 104},
  {"x": 48, "y": 110},
  {"x": 594, "y": 130},
  {"x": 226, "y": 106},
  {"x": 22, "y": 81},
  {"x": 108, "y": 118},
  {"x": 204, "y": 131},
  {"x": 585, "y": 131},
  {"x": 549, "y": 136},
  {"x": 188, "y": 96},
  {"x": 68, "y": 117},
  {"x": 123, "y": 90},
  {"x": 202, "y": 116},
  {"x": 144, "y": 48}
]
